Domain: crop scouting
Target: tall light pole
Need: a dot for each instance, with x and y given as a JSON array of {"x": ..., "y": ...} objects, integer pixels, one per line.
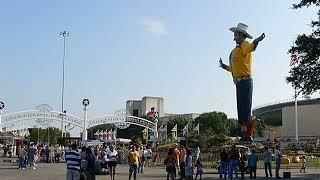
[{"x": 64, "y": 34}]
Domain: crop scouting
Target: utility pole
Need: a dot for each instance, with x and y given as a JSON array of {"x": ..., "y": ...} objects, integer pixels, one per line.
[{"x": 64, "y": 34}]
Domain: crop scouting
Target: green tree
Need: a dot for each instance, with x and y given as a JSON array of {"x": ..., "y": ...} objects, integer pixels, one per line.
[
  {"x": 216, "y": 122},
  {"x": 233, "y": 127},
  {"x": 306, "y": 74},
  {"x": 54, "y": 135},
  {"x": 131, "y": 131}
]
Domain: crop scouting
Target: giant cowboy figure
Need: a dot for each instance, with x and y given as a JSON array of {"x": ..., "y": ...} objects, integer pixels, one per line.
[{"x": 240, "y": 61}]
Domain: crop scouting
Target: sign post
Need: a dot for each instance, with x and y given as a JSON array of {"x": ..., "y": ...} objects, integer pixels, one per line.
[{"x": 85, "y": 103}]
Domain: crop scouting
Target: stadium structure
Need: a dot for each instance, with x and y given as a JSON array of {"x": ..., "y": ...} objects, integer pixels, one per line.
[{"x": 279, "y": 118}]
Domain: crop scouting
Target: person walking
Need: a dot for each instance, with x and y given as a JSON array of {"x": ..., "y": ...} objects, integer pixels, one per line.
[
  {"x": 31, "y": 154},
  {"x": 233, "y": 161},
  {"x": 197, "y": 154},
  {"x": 240, "y": 63},
  {"x": 73, "y": 163},
  {"x": 22, "y": 155},
  {"x": 189, "y": 166},
  {"x": 52, "y": 151},
  {"x": 223, "y": 163},
  {"x": 278, "y": 157},
  {"x": 199, "y": 169},
  {"x": 303, "y": 164},
  {"x": 252, "y": 163},
  {"x": 170, "y": 163},
  {"x": 91, "y": 160},
  {"x": 141, "y": 161},
  {"x": 112, "y": 156},
  {"x": 267, "y": 161},
  {"x": 242, "y": 163},
  {"x": 133, "y": 159}
]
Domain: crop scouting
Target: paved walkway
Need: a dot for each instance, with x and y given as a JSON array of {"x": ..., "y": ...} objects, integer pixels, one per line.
[{"x": 9, "y": 171}]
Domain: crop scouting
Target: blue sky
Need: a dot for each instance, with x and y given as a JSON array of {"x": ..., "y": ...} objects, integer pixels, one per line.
[{"x": 120, "y": 50}]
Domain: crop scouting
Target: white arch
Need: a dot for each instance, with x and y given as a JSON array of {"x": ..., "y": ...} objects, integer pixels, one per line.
[
  {"x": 36, "y": 114},
  {"x": 122, "y": 119}
]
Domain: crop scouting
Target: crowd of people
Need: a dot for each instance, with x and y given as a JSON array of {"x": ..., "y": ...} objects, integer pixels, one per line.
[
  {"x": 85, "y": 162},
  {"x": 234, "y": 160},
  {"x": 181, "y": 161}
]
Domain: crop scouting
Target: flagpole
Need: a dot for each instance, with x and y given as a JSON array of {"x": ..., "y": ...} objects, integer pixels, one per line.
[
  {"x": 115, "y": 137},
  {"x": 296, "y": 112},
  {"x": 295, "y": 101}
]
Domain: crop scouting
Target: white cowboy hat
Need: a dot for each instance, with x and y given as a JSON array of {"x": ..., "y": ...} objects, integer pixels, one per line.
[{"x": 241, "y": 28}]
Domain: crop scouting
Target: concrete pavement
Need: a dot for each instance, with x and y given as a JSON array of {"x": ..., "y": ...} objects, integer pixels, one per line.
[{"x": 9, "y": 171}]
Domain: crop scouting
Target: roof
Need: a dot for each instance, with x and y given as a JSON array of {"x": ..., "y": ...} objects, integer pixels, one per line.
[{"x": 279, "y": 105}]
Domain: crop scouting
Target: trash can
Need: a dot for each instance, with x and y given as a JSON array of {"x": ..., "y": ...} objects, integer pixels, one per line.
[{"x": 287, "y": 175}]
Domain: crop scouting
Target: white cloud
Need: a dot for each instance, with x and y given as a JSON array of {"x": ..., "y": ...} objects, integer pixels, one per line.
[{"x": 156, "y": 27}]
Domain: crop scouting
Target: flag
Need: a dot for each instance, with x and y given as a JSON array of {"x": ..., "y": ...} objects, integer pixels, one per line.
[
  {"x": 150, "y": 113},
  {"x": 101, "y": 134},
  {"x": 165, "y": 128},
  {"x": 27, "y": 132},
  {"x": 97, "y": 133},
  {"x": 174, "y": 132},
  {"x": 105, "y": 132},
  {"x": 174, "y": 128},
  {"x": 293, "y": 59},
  {"x": 197, "y": 128},
  {"x": 185, "y": 130}
]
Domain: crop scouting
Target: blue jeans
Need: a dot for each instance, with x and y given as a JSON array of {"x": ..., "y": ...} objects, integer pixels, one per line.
[
  {"x": 244, "y": 90},
  {"x": 21, "y": 162},
  {"x": 133, "y": 169},
  {"x": 233, "y": 164},
  {"x": 267, "y": 166},
  {"x": 223, "y": 169},
  {"x": 73, "y": 174},
  {"x": 277, "y": 167}
]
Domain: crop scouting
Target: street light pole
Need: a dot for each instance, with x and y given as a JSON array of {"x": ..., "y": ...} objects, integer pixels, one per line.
[{"x": 64, "y": 34}]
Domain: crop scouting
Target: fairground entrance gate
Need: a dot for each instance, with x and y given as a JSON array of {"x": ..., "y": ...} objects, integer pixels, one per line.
[{"x": 121, "y": 118}]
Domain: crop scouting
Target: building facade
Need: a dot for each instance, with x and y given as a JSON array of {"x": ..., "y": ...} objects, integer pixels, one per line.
[
  {"x": 142, "y": 107},
  {"x": 282, "y": 117},
  {"x": 134, "y": 107}
]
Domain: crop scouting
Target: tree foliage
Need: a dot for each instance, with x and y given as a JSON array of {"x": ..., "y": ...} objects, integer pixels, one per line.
[
  {"x": 181, "y": 122},
  {"x": 306, "y": 74},
  {"x": 53, "y": 133},
  {"x": 218, "y": 123}
]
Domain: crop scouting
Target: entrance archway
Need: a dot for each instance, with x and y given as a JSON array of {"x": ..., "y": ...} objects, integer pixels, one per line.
[{"x": 122, "y": 119}]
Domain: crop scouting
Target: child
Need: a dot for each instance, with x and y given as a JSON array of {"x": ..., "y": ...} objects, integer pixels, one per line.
[
  {"x": 304, "y": 164},
  {"x": 199, "y": 169}
]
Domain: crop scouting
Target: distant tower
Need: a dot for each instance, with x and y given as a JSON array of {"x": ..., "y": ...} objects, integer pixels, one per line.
[
  {"x": 134, "y": 107},
  {"x": 150, "y": 102}
]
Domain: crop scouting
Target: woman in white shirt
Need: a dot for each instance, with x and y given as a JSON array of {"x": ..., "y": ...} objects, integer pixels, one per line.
[
  {"x": 189, "y": 166},
  {"x": 112, "y": 155}
]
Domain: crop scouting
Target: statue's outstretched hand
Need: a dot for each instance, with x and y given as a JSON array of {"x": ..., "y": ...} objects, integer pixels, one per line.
[
  {"x": 220, "y": 63},
  {"x": 260, "y": 38}
]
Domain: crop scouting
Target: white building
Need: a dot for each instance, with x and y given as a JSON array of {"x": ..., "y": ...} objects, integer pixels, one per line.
[{"x": 142, "y": 107}]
